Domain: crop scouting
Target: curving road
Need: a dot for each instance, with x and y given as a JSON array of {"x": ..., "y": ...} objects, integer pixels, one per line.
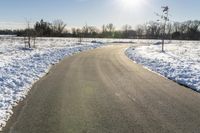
[{"x": 102, "y": 91}]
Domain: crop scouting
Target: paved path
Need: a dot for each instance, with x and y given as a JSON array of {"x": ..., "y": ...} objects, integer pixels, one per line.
[{"x": 102, "y": 91}]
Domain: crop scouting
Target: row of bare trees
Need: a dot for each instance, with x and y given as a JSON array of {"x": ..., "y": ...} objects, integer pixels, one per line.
[
  {"x": 188, "y": 30},
  {"x": 107, "y": 31}
]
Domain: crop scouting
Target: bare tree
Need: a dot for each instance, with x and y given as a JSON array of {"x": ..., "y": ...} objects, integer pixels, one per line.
[
  {"x": 169, "y": 30},
  {"x": 140, "y": 31},
  {"x": 27, "y": 37},
  {"x": 127, "y": 31},
  {"x": 126, "y": 28},
  {"x": 93, "y": 31},
  {"x": 58, "y": 26},
  {"x": 85, "y": 30},
  {"x": 111, "y": 29},
  {"x": 30, "y": 35},
  {"x": 104, "y": 29},
  {"x": 165, "y": 18},
  {"x": 193, "y": 29},
  {"x": 80, "y": 35}
]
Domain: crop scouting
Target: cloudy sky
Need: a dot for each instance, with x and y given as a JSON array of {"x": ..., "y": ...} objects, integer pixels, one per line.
[{"x": 76, "y": 13}]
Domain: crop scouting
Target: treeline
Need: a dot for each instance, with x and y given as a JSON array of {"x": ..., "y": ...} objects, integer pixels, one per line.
[
  {"x": 58, "y": 29},
  {"x": 189, "y": 30}
]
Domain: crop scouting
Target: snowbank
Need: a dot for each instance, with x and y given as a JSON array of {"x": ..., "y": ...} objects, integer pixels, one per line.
[{"x": 180, "y": 61}]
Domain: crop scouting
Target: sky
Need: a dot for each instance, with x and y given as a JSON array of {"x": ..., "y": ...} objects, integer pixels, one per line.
[{"x": 76, "y": 13}]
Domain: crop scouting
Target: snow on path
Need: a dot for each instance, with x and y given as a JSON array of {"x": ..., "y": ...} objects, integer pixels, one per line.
[{"x": 180, "y": 61}]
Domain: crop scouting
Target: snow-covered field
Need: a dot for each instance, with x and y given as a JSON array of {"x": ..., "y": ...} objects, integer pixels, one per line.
[{"x": 180, "y": 61}]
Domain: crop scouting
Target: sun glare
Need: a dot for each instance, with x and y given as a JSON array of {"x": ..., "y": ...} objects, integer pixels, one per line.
[{"x": 130, "y": 3}]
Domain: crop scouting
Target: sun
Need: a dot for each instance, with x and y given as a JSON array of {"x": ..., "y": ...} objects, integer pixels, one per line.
[{"x": 130, "y": 3}]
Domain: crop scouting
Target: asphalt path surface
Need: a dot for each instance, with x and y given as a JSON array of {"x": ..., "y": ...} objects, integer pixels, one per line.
[{"x": 102, "y": 91}]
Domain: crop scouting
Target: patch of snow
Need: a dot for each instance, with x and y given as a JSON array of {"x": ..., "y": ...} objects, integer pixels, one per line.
[{"x": 180, "y": 61}]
